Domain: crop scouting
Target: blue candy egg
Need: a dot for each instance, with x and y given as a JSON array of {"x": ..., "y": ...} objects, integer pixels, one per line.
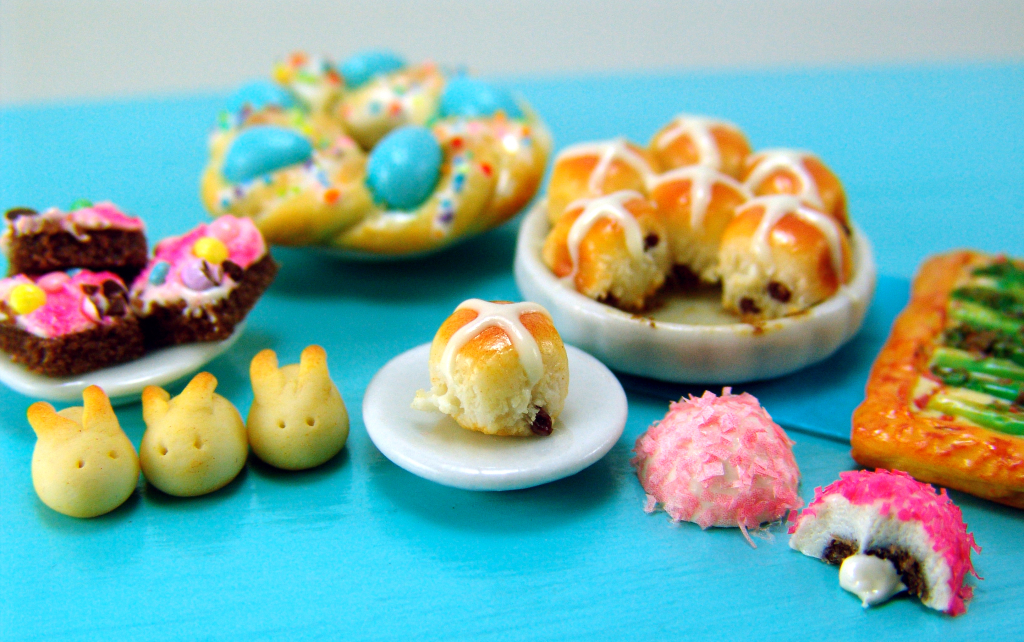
[
  {"x": 158, "y": 274},
  {"x": 404, "y": 167},
  {"x": 472, "y": 98},
  {"x": 260, "y": 93},
  {"x": 261, "y": 150},
  {"x": 364, "y": 67}
]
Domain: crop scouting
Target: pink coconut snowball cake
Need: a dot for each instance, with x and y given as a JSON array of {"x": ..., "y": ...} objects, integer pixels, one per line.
[
  {"x": 890, "y": 533},
  {"x": 718, "y": 461}
]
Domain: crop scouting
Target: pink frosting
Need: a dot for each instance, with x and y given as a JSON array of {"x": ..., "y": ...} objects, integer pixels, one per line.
[
  {"x": 67, "y": 309},
  {"x": 183, "y": 279},
  {"x": 718, "y": 461},
  {"x": 895, "y": 493},
  {"x": 100, "y": 216},
  {"x": 244, "y": 242}
]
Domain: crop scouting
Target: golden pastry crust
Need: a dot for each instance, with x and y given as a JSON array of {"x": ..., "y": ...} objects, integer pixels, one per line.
[{"x": 888, "y": 433}]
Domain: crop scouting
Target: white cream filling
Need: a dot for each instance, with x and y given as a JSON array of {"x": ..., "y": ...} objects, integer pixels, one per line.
[{"x": 873, "y": 579}]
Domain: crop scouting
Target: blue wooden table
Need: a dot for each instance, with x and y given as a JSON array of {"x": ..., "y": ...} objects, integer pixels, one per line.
[{"x": 932, "y": 158}]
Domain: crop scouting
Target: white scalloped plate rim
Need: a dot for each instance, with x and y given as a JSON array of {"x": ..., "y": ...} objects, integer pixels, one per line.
[
  {"x": 123, "y": 382},
  {"x": 432, "y": 446},
  {"x": 693, "y": 353}
]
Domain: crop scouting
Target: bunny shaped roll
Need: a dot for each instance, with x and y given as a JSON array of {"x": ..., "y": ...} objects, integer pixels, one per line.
[
  {"x": 83, "y": 464},
  {"x": 195, "y": 443},
  {"x": 298, "y": 418}
]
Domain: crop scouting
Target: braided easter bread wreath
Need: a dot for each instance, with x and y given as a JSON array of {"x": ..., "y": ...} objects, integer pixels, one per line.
[{"x": 373, "y": 156}]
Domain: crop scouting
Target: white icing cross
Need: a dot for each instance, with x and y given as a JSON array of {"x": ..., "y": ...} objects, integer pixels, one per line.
[
  {"x": 607, "y": 152},
  {"x": 507, "y": 317},
  {"x": 699, "y": 130},
  {"x": 702, "y": 180},
  {"x": 605, "y": 207},
  {"x": 771, "y": 160},
  {"x": 776, "y": 207}
]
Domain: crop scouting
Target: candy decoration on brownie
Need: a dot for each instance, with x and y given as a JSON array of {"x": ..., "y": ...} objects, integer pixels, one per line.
[
  {"x": 977, "y": 370},
  {"x": 198, "y": 286},
  {"x": 60, "y": 324},
  {"x": 94, "y": 237}
]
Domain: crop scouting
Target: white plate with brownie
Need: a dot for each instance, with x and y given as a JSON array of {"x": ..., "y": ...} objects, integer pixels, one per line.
[{"x": 123, "y": 382}]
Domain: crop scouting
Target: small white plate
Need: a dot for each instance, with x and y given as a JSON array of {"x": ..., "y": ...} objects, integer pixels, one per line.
[
  {"x": 692, "y": 339},
  {"x": 433, "y": 446},
  {"x": 124, "y": 382}
]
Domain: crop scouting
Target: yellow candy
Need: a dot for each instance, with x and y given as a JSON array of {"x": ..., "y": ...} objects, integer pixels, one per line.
[
  {"x": 282, "y": 74},
  {"x": 27, "y": 297},
  {"x": 210, "y": 249}
]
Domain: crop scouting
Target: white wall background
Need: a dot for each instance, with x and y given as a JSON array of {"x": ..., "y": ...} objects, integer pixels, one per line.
[{"x": 74, "y": 49}]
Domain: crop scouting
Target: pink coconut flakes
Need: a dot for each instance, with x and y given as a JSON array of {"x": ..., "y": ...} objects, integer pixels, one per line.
[
  {"x": 718, "y": 461},
  {"x": 897, "y": 493}
]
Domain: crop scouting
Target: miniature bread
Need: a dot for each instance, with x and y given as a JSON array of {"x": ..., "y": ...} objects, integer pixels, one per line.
[
  {"x": 780, "y": 256},
  {"x": 194, "y": 443},
  {"x": 698, "y": 140},
  {"x": 613, "y": 249},
  {"x": 83, "y": 464},
  {"x": 373, "y": 155},
  {"x": 696, "y": 203},
  {"x": 297, "y": 419},
  {"x": 498, "y": 368},
  {"x": 589, "y": 170},
  {"x": 800, "y": 174}
]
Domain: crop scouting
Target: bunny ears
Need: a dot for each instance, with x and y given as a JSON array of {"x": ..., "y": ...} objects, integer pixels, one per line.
[
  {"x": 195, "y": 443},
  {"x": 298, "y": 419},
  {"x": 83, "y": 464}
]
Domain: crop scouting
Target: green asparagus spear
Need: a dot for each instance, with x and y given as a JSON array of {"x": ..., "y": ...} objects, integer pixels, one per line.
[
  {"x": 980, "y": 316},
  {"x": 999, "y": 417},
  {"x": 1005, "y": 302},
  {"x": 949, "y": 358},
  {"x": 986, "y": 342}
]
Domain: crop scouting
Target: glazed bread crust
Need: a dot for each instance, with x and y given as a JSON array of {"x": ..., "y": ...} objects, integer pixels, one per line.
[
  {"x": 796, "y": 273},
  {"x": 490, "y": 382},
  {"x": 580, "y": 174},
  {"x": 606, "y": 270},
  {"x": 669, "y": 152},
  {"x": 787, "y": 179},
  {"x": 887, "y": 433}
]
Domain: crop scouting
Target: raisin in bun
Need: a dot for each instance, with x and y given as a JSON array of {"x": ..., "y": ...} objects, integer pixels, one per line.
[
  {"x": 800, "y": 173},
  {"x": 696, "y": 203},
  {"x": 779, "y": 256},
  {"x": 498, "y": 368},
  {"x": 697, "y": 140},
  {"x": 613, "y": 249},
  {"x": 595, "y": 169}
]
